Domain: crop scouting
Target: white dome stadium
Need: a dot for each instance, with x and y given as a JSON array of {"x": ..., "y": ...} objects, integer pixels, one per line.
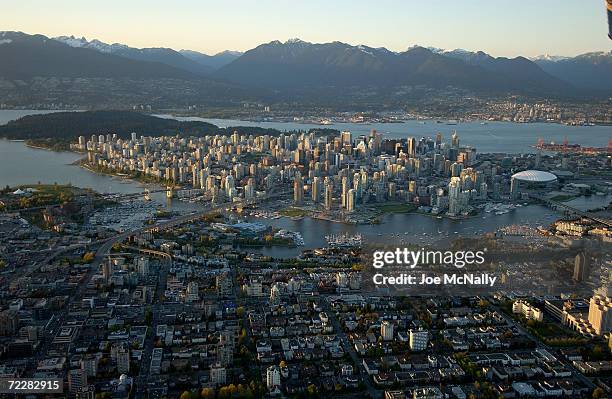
[{"x": 534, "y": 176}]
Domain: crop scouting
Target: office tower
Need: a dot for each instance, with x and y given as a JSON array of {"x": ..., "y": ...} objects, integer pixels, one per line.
[
  {"x": 412, "y": 146},
  {"x": 202, "y": 178},
  {"x": 581, "y": 267},
  {"x": 192, "y": 294},
  {"x": 380, "y": 191},
  {"x": 142, "y": 265},
  {"x": 455, "y": 139},
  {"x": 89, "y": 364},
  {"x": 77, "y": 379},
  {"x": 392, "y": 191},
  {"x": 386, "y": 330},
  {"x": 600, "y": 314},
  {"x": 229, "y": 186},
  {"x": 223, "y": 283},
  {"x": 195, "y": 177},
  {"x": 9, "y": 322},
  {"x": 351, "y": 200},
  {"x": 123, "y": 360},
  {"x": 249, "y": 189},
  {"x": 346, "y": 137},
  {"x": 211, "y": 183},
  {"x": 273, "y": 377},
  {"x": 344, "y": 193},
  {"x": 298, "y": 189},
  {"x": 316, "y": 189},
  {"x": 357, "y": 185},
  {"x": 134, "y": 137},
  {"x": 107, "y": 269},
  {"x": 218, "y": 375},
  {"x": 454, "y": 191},
  {"x": 342, "y": 280},
  {"x": 329, "y": 192},
  {"x": 225, "y": 351},
  {"x": 412, "y": 187},
  {"x": 482, "y": 190},
  {"x": 456, "y": 169},
  {"x": 418, "y": 340},
  {"x": 515, "y": 188}
]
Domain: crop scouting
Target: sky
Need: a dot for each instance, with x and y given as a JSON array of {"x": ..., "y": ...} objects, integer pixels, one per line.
[{"x": 498, "y": 27}]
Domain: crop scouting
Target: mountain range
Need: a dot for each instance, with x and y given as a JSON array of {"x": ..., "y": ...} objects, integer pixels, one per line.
[
  {"x": 188, "y": 60},
  {"x": 297, "y": 66},
  {"x": 589, "y": 71},
  {"x": 26, "y": 56}
]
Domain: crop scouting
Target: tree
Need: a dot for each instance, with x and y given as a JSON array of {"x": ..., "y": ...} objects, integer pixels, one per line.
[
  {"x": 597, "y": 353},
  {"x": 148, "y": 317},
  {"x": 483, "y": 303},
  {"x": 88, "y": 257},
  {"x": 207, "y": 393},
  {"x": 186, "y": 395},
  {"x": 223, "y": 393},
  {"x": 598, "y": 393}
]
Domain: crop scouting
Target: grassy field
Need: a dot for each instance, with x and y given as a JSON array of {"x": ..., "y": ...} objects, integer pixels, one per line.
[
  {"x": 293, "y": 212},
  {"x": 396, "y": 208}
]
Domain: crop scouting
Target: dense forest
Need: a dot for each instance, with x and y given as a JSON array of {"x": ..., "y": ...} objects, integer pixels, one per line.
[{"x": 67, "y": 126}]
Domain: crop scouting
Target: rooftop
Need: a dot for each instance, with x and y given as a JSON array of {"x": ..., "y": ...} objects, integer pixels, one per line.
[{"x": 534, "y": 176}]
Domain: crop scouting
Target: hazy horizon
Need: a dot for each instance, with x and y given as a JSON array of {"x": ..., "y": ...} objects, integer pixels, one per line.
[{"x": 500, "y": 28}]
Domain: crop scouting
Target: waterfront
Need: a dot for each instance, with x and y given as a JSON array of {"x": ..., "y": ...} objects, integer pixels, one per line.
[
  {"x": 24, "y": 165},
  {"x": 20, "y": 164},
  {"x": 401, "y": 229}
]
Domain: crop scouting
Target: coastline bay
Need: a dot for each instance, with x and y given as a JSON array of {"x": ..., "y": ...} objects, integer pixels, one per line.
[{"x": 20, "y": 164}]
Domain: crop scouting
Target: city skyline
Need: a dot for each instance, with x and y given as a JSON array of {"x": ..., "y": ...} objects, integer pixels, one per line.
[
  {"x": 213, "y": 28},
  {"x": 390, "y": 200}
]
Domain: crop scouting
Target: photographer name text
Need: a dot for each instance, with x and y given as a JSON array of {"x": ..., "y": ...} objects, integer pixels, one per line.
[{"x": 482, "y": 279}]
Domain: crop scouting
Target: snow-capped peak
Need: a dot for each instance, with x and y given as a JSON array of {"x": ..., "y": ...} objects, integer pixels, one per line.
[
  {"x": 230, "y": 52},
  {"x": 459, "y": 51},
  {"x": 94, "y": 44},
  {"x": 365, "y": 49},
  {"x": 436, "y": 50},
  {"x": 296, "y": 42},
  {"x": 549, "y": 57}
]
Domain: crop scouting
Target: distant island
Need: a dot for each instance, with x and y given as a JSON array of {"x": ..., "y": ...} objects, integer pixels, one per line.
[{"x": 57, "y": 130}]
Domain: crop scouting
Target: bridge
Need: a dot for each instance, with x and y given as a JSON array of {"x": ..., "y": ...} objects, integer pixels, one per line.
[
  {"x": 572, "y": 210},
  {"x": 106, "y": 244}
]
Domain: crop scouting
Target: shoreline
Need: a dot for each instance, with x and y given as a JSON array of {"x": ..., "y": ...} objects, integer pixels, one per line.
[
  {"x": 126, "y": 178},
  {"x": 440, "y": 120},
  {"x": 433, "y": 121},
  {"x": 37, "y": 147}
]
